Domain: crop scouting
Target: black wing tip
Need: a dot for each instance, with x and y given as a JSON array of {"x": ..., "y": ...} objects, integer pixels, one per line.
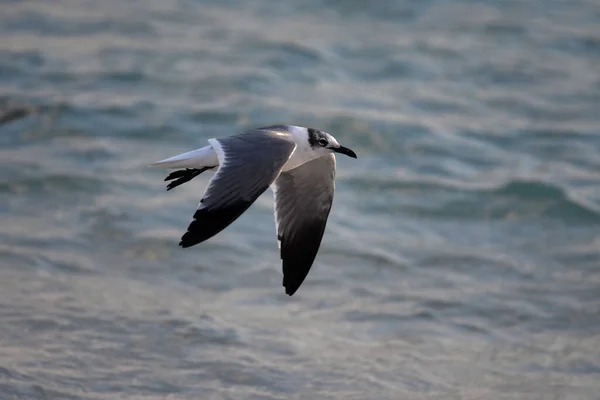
[
  {"x": 209, "y": 222},
  {"x": 194, "y": 234},
  {"x": 292, "y": 282},
  {"x": 186, "y": 242},
  {"x": 290, "y": 290}
]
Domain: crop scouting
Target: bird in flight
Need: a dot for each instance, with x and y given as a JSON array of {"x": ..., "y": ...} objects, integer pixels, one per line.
[{"x": 297, "y": 163}]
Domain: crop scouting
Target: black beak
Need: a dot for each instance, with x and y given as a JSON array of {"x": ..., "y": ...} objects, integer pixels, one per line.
[{"x": 346, "y": 151}]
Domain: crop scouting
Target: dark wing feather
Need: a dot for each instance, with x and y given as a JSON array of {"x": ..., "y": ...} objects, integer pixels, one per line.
[
  {"x": 251, "y": 162},
  {"x": 303, "y": 198}
]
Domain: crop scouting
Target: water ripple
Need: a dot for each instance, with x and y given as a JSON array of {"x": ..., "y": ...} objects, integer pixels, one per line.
[{"x": 461, "y": 254}]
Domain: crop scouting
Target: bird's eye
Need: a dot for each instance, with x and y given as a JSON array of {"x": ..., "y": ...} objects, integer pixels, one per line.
[{"x": 323, "y": 142}]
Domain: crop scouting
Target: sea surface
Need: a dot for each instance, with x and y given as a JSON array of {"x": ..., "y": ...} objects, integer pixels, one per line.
[{"x": 462, "y": 255}]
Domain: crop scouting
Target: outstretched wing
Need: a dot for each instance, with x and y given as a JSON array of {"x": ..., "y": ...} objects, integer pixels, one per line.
[
  {"x": 303, "y": 198},
  {"x": 248, "y": 164}
]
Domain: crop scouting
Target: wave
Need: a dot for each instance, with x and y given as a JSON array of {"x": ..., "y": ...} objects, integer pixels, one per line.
[{"x": 451, "y": 198}]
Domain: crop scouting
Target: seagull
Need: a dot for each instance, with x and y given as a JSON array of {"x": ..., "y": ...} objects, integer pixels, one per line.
[{"x": 298, "y": 164}]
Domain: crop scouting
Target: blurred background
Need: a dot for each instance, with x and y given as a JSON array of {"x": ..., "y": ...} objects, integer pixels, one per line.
[{"x": 461, "y": 257}]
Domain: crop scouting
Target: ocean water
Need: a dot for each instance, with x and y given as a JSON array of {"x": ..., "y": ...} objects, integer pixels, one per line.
[{"x": 462, "y": 255}]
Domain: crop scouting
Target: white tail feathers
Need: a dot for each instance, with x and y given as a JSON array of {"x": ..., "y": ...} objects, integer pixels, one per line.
[{"x": 200, "y": 158}]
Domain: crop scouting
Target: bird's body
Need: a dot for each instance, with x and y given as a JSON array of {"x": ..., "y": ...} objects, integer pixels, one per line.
[{"x": 299, "y": 165}]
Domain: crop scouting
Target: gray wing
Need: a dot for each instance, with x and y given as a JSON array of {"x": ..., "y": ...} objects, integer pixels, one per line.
[
  {"x": 303, "y": 198},
  {"x": 248, "y": 164}
]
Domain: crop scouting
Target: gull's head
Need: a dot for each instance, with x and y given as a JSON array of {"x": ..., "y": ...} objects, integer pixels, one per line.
[{"x": 324, "y": 142}]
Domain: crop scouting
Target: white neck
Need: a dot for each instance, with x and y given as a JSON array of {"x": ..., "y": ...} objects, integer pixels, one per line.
[{"x": 304, "y": 152}]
